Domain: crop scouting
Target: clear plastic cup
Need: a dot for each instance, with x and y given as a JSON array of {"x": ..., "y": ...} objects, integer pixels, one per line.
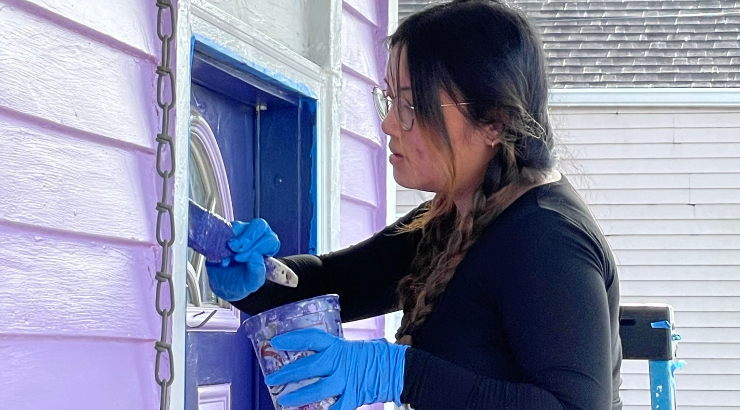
[{"x": 320, "y": 312}]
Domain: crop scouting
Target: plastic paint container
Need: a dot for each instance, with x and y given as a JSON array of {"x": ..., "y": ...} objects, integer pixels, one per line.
[{"x": 320, "y": 312}]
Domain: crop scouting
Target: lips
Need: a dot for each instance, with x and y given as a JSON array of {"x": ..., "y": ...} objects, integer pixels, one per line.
[
  {"x": 395, "y": 159},
  {"x": 394, "y": 152}
]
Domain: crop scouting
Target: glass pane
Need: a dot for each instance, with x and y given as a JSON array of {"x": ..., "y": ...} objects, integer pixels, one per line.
[
  {"x": 206, "y": 294},
  {"x": 197, "y": 188},
  {"x": 204, "y": 191}
]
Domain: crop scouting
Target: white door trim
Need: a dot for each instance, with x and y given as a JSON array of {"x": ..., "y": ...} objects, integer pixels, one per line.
[
  {"x": 198, "y": 18},
  {"x": 262, "y": 53},
  {"x": 180, "y": 200}
]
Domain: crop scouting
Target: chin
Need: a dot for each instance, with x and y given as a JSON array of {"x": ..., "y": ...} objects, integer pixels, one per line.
[
  {"x": 403, "y": 180},
  {"x": 407, "y": 182}
]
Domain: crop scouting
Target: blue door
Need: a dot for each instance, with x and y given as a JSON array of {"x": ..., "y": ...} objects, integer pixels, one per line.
[{"x": 251, "y": 156}]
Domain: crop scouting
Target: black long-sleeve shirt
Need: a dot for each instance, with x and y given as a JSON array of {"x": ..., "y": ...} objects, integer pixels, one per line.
[{"x": 530, "y": 320}]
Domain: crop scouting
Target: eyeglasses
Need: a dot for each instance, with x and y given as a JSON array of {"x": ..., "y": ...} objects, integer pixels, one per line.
[{"x": 405, "y": 112}]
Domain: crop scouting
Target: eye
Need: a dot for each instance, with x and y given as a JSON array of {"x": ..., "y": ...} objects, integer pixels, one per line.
[{"x": 405, "y": 97}]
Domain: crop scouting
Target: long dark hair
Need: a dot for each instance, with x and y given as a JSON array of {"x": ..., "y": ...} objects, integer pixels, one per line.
[{"x": 488, "y": 54}]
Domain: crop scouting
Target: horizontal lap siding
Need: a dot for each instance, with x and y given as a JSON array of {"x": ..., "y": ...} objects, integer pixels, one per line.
[
  {"x": 75, "y": 374},
  {"x": 363, "y": 145},
  {"x": 77, "y": 244},
  {"x": 665, "y": 187}
]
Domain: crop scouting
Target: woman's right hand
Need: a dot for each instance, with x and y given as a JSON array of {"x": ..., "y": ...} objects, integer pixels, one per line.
[{"x": 236, "y": 279}]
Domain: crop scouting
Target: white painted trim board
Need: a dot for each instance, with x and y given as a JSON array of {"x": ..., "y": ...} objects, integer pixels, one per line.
[
  {"x": 180, "y": 200},
  {"x": 197, "y": 17},
  {"x": 645, "y": 97}
]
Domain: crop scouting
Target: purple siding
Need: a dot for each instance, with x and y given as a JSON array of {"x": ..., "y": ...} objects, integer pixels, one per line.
[
  {"x": 363, "y": 144},
  {"x": 77, "y": 245}
]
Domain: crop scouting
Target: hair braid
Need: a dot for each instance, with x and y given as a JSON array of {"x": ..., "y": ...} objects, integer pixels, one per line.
[
  {"x": 501, "y": 76},
  {"x": 446, "y": 240}
]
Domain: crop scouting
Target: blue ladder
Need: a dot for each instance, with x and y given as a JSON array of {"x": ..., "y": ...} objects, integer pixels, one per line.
[{"x": 646, "y": 331}]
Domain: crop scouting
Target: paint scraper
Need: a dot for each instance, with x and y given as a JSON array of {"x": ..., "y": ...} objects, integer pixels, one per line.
[{"x": 208, "y": 235}]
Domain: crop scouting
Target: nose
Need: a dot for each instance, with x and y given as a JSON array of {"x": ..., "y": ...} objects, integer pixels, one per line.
[{"x": 390, "y": 125}]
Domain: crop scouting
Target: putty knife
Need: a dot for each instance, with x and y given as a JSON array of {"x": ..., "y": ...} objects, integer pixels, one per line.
[{"x": 208, "y": 235}]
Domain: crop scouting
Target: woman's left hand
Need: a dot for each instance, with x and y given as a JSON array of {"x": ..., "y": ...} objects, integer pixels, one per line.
[{"x": 358, "y": 372}]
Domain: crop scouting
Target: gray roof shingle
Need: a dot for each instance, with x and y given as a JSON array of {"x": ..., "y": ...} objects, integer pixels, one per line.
[{"x": 634, "y": 43}]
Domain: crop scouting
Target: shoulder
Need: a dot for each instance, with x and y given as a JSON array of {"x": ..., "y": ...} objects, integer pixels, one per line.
[
  {"x": 536, "y": 232},
  {"x": 545, "y": 214},
  {"x": 546, "y": 231}
]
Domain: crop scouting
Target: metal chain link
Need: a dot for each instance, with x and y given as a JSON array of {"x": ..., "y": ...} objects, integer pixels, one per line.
[{"x": 165, "y": 206}]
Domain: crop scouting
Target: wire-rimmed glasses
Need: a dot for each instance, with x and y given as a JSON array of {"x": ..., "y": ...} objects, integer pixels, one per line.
[{"x": 405, "y": 111}]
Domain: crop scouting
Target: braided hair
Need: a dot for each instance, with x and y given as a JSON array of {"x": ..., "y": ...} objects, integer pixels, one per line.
[{"x": 488, "y": 54}]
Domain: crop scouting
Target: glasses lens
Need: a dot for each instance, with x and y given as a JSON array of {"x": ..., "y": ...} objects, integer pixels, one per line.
[
  {"x": 406, "y": 113},
  {"x": 381, "y": 102}
]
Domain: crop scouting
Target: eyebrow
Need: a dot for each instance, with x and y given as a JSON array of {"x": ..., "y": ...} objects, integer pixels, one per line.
[{"x": 385, "y": 80}]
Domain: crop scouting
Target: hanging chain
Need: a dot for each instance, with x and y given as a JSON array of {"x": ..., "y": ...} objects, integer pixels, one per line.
[{"x": 165, "y": 76}]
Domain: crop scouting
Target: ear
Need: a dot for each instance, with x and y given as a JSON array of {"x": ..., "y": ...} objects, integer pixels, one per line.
[
  {"x": 495, "y": 130},
  {"x": 493, "y": 133}
]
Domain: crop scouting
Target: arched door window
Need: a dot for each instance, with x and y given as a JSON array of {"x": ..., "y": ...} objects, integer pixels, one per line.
[{"x": 209, "y": 187}]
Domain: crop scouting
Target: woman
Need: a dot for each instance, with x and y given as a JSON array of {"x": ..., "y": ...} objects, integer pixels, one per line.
[{"x": 509, "y": 290}]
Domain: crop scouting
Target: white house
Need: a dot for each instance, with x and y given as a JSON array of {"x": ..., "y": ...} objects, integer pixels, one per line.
[{"x": 646, "y": 101}]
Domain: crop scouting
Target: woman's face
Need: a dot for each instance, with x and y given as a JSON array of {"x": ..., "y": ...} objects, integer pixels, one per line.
[{"x": 415, "y": 165}]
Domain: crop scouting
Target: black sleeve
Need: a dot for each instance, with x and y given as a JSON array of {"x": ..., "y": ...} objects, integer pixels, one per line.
[
  {"x": 552, "y": 298},
  {"x": 364, "y": 276}
]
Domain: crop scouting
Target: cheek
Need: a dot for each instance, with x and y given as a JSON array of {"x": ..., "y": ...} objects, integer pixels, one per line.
[
  {"x": 417, "y": 148},
  {"x": 425, "y": 166},
  {"x": 421, "y": 155},
  {"x": 418, "y": 158}
]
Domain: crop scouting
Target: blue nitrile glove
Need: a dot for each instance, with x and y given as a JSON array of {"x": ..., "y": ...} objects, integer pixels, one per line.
[
  {"x": 235, "y": 280},
  {"x": 359, "y": 372}
]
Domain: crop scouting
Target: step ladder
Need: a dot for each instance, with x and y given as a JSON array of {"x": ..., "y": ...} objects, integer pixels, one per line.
[{"x": 647, "y": 333}]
